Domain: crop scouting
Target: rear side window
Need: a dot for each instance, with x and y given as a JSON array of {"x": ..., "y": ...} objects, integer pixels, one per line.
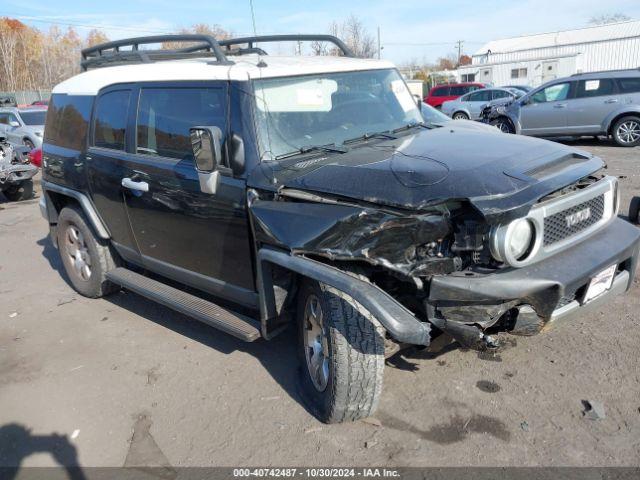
[
  {"x": 595, "y": 88},
  {"x": 629, "y": 85},
  {"x": 68, "y": 120},
  {"x": 459, "y": 91},
  {"x": 165, "y": 116},
  {"x": 481, "y": 96},
  {"x": 441, "y": 92},
  {"x": 111, "y": 120}
]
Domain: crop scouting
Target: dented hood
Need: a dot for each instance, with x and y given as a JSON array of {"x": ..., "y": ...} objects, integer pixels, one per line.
[{"x": 501, "y": 175}]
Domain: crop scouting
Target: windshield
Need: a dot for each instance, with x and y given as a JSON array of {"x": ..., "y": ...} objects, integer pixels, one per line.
[
  {"x": 33, "y": 118},
  {"x": 295, "y": 113}
]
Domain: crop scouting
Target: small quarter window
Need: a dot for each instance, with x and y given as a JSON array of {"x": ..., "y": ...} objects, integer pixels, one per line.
[
  {"x": 111, "y": 120},
  {"x": 629, "y": 85}
]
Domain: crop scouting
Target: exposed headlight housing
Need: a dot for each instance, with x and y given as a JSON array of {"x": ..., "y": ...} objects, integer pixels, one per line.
[{"x": 514, "y": 242}]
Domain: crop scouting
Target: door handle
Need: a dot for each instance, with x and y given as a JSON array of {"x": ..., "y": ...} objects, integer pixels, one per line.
[
  {"x": 560, "y": 105},
  {"x": 133, "y": 185},
  {"x": 611, "y": 100}
]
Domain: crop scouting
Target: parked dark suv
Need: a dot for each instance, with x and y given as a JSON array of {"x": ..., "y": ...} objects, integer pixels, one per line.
[{"x": 309, "y": 191}]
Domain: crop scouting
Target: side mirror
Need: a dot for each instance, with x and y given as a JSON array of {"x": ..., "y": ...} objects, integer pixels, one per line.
[
  {"x": 418, "y": 99},
  {"x": 206, "y": 143},
  {"x": 14, "y": 123}
]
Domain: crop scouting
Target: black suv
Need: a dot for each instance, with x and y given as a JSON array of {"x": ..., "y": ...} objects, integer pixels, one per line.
[{"x": 309, "y": 190}]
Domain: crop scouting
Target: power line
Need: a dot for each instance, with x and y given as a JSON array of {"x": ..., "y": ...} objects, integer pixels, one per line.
[
  {"x": 83, "y": 25},
  {"x": 432, "y": 44}
]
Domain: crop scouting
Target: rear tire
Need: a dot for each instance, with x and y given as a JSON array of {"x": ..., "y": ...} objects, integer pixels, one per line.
[
  {"x": 341, "y": 350},
  {"x": 626, "y": 131},
  {"x": 460, "y": 116},
  {"x": 19, "y": 192},
  {"x": 504, "y": 125},
  {"x": 85, "y": 257}
]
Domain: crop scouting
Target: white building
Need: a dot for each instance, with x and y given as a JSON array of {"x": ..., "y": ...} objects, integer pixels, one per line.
[{"x": 535, "y": 59}]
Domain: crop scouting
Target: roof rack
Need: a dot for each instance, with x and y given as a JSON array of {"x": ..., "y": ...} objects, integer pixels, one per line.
[
  {"x": 250, "y": 41},
  {"x": 112, "y": 53},
  {"x": 127, "y": 51}
]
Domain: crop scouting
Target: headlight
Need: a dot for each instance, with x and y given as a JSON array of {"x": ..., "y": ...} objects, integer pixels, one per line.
[{"x": 514, "y": 242}]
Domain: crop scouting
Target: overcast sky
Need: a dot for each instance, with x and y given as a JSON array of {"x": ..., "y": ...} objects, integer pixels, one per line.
[{"x": 410, "y": 29}]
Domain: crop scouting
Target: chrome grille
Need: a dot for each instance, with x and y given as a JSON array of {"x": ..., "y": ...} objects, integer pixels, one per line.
[{"x": 557, "y": 228}]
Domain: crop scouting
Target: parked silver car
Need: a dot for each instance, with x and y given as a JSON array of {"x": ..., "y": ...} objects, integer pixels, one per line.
[
  {"x": 469, "y": 106},
  {"x": 23, "y": 126},
  {"x": 601, "y": 103}
]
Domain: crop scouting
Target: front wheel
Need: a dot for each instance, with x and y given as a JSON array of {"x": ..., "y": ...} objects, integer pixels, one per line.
[
  {"x": 29, "y": 144},
  {"x": 626, "y": 131},
  {"x": 341, "y": 350},
  {"x": 503, "y": 125},
  {"x": 21, "y": 191}
]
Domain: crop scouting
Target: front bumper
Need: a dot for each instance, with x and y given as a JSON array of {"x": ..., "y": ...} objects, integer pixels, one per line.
[{"x": 549, "y": 290}]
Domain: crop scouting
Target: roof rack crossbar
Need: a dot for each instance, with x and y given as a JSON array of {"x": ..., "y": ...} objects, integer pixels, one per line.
[
  {"x": 111, "y": 52},
  {"x": 250, "y": 41}
]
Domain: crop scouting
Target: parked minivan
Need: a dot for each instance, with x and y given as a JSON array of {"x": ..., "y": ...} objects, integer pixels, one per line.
[
  {"x": 600, "y": 103},
  {"x": 443, "y": 93}
]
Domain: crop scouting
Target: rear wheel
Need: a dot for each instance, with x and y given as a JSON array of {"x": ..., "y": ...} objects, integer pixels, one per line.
[
  {"x": 341, "y": 350},
  {"x": 626, "y": 131},
  {"x": 460, "y": 116},
  {"x": 86, "y": 258},
  {"x": 503, "y": 124},
  {"x": 21, "y": 191}
]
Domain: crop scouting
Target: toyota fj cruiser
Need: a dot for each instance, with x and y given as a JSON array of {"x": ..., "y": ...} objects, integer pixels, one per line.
[{"x": 252, "y": 191}]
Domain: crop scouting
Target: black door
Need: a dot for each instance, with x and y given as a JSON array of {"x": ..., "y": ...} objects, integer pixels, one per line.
[
  {"x": 196, "y": 238},
  {"x": 106, "y": 160}
]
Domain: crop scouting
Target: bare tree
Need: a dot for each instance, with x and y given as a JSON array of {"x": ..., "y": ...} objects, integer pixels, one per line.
[
  {"x": 352, "y": 32},
  {"x": 609, "y": 18}
]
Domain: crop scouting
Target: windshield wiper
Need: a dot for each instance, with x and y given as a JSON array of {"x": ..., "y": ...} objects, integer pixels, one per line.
[
  {"x": 409, "y": 126},
  {"x": 367, "y": 136},
  {"x": 330, "y": 147}
]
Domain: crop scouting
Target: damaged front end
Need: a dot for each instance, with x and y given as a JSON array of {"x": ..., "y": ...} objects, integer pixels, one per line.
[
  {"x": 470, "y": 249},
  {"x": 15, "y": 166}
]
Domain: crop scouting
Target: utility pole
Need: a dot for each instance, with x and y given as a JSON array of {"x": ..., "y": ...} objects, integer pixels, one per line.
[
  {"x": 379, "y": 42},
  {"x": 460, "y": 43}
]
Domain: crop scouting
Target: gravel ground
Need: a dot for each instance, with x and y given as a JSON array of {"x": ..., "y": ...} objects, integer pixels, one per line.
[{"x": 122, "y": 381}]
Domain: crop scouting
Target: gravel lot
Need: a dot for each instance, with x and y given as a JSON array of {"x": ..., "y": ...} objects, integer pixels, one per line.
[{"x": 122, "y": 381}]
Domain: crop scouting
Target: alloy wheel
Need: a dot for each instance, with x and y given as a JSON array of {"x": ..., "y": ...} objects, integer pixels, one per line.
[
  {"x": 76, "y": 248},
  {"x": 629, "y": 131},
  {"x": 316, "y": 347}
]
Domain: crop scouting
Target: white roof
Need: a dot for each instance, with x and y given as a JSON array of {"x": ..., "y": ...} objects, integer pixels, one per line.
[
  {"x": 568, "y": 37},
  {"x": 244, "y": 68}
]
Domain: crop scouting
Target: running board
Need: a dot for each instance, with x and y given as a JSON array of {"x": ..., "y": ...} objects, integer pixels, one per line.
[{"x": 229, "y": 322}]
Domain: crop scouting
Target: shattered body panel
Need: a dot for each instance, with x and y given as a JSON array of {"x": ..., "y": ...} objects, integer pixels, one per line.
[
  {"x": 343, "y": 232},
  {"x": 15, "y": 167}
]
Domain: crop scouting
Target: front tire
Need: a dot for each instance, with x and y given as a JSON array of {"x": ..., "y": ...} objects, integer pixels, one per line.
[
  {"x": 19, "y": 192},
  {"x": 634, "y": 210},
  {"x": 341, "y": 350},
  {"x": 626, "y": 131},
  {"x": 503, "y": 125},
  {"x": 86, "y": 258},
  {"x": 29, "y": 144}
]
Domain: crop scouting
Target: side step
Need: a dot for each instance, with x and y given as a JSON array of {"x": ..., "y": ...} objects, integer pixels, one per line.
[{"x": 229, "y": 322}]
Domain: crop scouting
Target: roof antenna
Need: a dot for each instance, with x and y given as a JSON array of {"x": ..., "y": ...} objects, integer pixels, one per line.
[{"x": 261, "y": 62}]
